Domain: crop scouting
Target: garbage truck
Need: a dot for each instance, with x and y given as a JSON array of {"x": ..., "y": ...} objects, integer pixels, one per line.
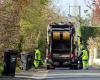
[{"x": 62, "y": 50}]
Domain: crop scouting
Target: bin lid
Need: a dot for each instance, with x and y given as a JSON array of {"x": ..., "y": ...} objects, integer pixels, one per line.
[
  {"x": 27, "y": 53},
  {"x": 11, "y": 51}
]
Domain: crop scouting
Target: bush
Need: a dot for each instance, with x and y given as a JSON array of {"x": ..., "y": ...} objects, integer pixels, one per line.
[
  {"x": 1, "y": 69},
  {"x": 87, "y": 32}
]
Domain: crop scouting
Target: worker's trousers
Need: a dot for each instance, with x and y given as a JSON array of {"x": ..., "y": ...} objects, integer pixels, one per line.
[
  {"x": 85, "y": 64},
  {"x": 36, "y": 63}
]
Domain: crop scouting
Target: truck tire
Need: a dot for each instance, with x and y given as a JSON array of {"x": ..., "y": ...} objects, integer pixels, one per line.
[
  {"x": 75, "y": 67},
  {"x": 80, "y": 65},
  {"x": 71, "y": 67}
]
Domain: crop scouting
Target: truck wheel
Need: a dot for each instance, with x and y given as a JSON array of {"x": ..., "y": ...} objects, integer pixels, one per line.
[
  {"x": 76, "y": 67},
  {"x": 80, "y": 65},
  {"x": 71, "y": 67}
]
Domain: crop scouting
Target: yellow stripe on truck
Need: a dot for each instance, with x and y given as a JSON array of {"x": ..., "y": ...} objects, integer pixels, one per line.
[
  {"x": 56, "y": 35},
  {"x": 66, "y": 35}
]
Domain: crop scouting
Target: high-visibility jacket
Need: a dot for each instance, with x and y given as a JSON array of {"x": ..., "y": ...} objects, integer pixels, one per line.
[
  {"x": 37, "y": 54},
  {"x": 85, "y": 55}
]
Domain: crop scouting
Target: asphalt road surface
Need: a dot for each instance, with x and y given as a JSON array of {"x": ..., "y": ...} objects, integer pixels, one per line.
[
  {"x": 73, "y": 75},
  {"x": 58, "y": 74}
]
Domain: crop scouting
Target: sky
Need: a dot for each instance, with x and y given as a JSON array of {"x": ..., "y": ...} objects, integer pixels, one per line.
[{"x": 63, "y": 7}]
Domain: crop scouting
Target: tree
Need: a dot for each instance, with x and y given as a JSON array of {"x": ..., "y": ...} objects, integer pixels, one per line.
[{"x": 9, "y": 24}]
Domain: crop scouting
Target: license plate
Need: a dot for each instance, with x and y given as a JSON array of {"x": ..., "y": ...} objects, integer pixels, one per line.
[
  {"x": 56, "y": 55},
  {"x": 64, "y": 56}
]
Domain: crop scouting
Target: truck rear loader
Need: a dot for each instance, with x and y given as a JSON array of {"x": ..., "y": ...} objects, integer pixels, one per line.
[{"x": 61, "y": 46}]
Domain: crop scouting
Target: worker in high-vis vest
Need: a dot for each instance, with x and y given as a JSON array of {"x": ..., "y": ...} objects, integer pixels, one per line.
[
  {"x": 85, "y": 58},
  {"x": 37, "y": 58}
]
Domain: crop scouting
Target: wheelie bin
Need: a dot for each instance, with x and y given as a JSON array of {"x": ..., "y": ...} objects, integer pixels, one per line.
[
  {"x": 27, "y": 60},
  {"x": 10, "y": 56}
]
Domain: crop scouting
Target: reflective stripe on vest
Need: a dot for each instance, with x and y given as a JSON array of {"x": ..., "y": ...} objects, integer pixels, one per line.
[
  {"x": 85, "y": 55},
  {"x": 37, "y": 55}
]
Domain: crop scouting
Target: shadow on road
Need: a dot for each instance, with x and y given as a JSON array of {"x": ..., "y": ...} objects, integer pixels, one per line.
[{"x": 13, "y": 78}]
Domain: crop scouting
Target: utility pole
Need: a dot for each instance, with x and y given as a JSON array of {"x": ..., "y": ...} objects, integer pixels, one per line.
[
  {"x": 79, "y": 14},
  {"x": 69, "y": 10}
]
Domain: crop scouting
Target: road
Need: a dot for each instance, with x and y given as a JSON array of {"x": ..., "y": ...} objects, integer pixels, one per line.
[
  {"x": 73, "y": 75},
  {"x": 58, "y": 74}
]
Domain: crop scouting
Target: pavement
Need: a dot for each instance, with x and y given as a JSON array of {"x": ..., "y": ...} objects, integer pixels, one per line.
[
  {"x": 57, "y": 74},
  {"x": 33, "y": 74},
  {"x": 94, "y": 67}
]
